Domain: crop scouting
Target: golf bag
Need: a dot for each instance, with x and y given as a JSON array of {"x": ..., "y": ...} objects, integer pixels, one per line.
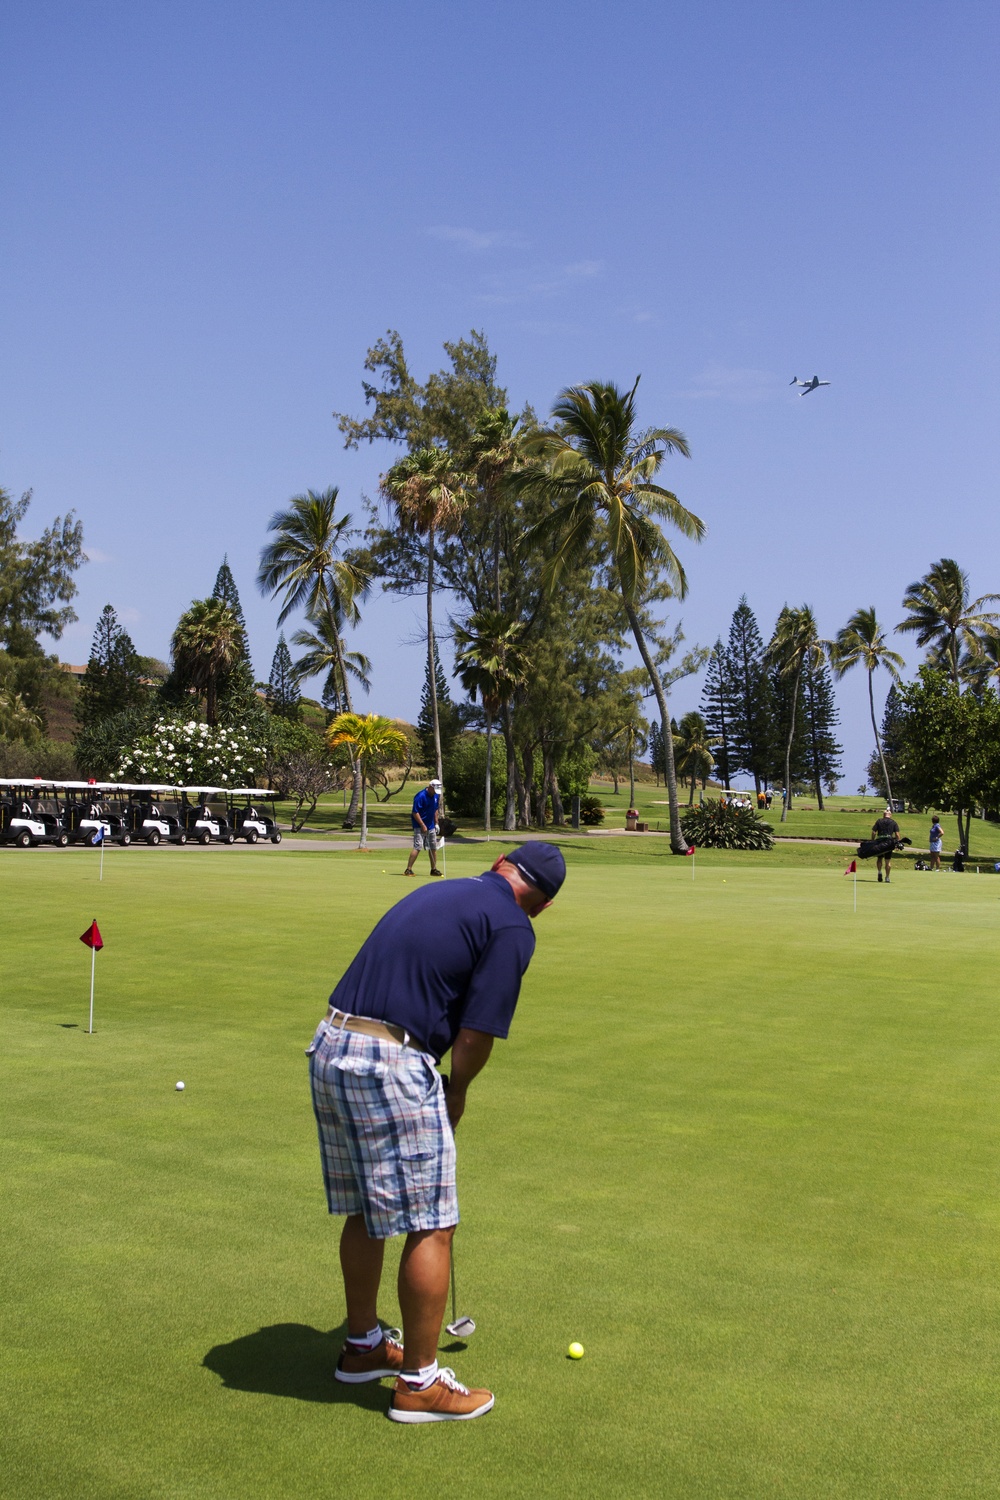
[
  {"x": 888, "y": 844},
  {"x": 448, "y": 827}
]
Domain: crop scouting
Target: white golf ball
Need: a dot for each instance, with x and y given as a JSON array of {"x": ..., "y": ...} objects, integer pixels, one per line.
[{"x": 179, "y": 1087}]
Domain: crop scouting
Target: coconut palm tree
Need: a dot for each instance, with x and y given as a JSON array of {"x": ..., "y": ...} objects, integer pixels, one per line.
[
  {"x": 598, "y": 469},
  {"x": 209, "y": 640},
  {"x": 863, "y": 642},
  {"x": 491, "y": 662},
  {"x": 693, "y": 750},
  {"x": 943, "y": 617},
  {"x": 370, "y": 738},
  {"x": 305, "y": 563},
  {"x": 495, "y": 452},
  {"x": 429, "y": 497},
  {"x": 325, "y": 651},
  {"x": 794, "y": 646}
]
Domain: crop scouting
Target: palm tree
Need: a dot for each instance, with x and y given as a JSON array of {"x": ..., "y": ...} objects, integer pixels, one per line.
[
  {"x": 862, "y": 642},
  {"x": 209, "y": 640},
  {"x": 944, "y": 617},
  {"x": 429, "y": 498},
  {"x": 496, "y": 450},
  {"x": 370, "y": 738},
  {"x": 490, "y": 661},
  {"x": 692, "y": 747},
  {"x": 794, "y": 646},
  {"x": 598, "y": 469},
  {"x": 325, "y": 651},
  {"x": 18, "y": 720},
  {"x": 305, "y": 563}
]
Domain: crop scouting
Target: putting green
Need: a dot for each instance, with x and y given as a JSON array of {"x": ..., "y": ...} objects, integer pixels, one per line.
[{"x": 742, "y": 1144}]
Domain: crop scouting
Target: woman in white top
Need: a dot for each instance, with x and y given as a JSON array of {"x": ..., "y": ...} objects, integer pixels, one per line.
[{"x": 936, "y": 841}]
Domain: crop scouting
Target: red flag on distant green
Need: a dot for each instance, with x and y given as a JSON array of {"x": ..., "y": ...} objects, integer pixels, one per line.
[
  {"x": 689, "y": 849},
  {"x": 851, "y": 869},
  {"x": 92, "y": 937}
]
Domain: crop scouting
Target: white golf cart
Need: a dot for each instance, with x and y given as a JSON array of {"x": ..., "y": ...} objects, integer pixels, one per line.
[
  {"x": 146, "y": 815},
  {"x": 30, "y": 814},
  {"x": 248, "y": 819},
  {"x": 86, "y": 811},
  {"x": 205, "y": 821}
]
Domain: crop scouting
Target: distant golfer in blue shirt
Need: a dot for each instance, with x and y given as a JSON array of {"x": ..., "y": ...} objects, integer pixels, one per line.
[
  {"x": 425, "y": 816},
  {"x": 441, "y": 970}
]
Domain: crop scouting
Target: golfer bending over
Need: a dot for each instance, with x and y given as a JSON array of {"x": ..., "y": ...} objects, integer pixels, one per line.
[{"x": 442, "y": 969}]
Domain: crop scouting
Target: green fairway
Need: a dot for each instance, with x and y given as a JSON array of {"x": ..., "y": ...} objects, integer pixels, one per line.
[{"x": 742, "y": 1143}]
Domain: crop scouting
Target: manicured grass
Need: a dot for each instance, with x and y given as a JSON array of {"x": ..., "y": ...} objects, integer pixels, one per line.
[{"x": 741, "y": 1143}]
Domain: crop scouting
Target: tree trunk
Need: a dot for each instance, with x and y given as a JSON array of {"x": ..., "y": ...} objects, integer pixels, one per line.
[
  {"x": 614, "y": 777},
  {"x": 432, "y": 654},
  {"x": 489, "y": 773},
  {"x": 551, "y": 785},
  {"x": 678, "y": 843},
  {"x": 528, "y": 784},
  {"x": 878, "y": 742},
  {"x": 344, "y": 694},
  {"x": 694, "y": 782},
  {"x": 364, "y": 812},
  {"x": 510, "y": 808},
  {"x": 787, "y": 801},
  {"x": 210, "y": 713},
  {"x": 631, "y": 775}
]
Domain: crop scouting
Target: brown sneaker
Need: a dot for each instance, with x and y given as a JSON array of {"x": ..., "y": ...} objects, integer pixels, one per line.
[
  {"x": 444, "y": 1400},
  {"x": 355, "y": 1366}
]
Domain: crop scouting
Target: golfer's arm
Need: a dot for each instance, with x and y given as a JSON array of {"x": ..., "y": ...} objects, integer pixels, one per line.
[{"x": 470, "y": 1053}]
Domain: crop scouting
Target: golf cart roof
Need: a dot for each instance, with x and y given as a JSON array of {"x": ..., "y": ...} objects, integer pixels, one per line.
[
  {"x": 36, "y": 783},
  {"x": 206, "y": 791},
  {"x": 252, "y": 791}
]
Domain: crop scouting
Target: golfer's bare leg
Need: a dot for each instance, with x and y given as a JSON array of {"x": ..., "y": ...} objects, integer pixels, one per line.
[
  {"x": 411, "y": 861},
  {"x": 361, "y": 1263},
  {"x": 423, "y": 1294}
]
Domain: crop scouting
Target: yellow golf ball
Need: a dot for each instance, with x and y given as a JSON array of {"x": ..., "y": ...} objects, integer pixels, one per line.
[{"x": 575, "y": 1351}]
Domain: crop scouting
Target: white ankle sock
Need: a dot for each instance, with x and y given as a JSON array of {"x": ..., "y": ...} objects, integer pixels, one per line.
[
  {"x": 366, "y": 1341},
  {"x": 419, "y": 1380}
]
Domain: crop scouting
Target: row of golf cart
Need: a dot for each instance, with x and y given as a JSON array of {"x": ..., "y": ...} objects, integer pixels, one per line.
[{"x": 91, "y": 812}]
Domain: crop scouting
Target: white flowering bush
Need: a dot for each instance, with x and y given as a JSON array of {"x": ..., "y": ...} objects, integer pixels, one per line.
[{"x": 190, "y": 753}]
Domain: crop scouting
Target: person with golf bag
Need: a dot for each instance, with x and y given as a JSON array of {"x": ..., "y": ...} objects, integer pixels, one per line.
[
  {"x": 441, "y": 970},
  {"x": 886, "y": 828}
]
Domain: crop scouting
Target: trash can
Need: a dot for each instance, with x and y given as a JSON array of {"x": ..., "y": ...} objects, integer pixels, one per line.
[{"x": 631, "y": 819}]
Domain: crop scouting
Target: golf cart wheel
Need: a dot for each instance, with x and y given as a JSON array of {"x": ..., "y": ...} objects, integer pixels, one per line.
[
  {"x": 153, "y": 838},
  {"x": 204, "y": 837},
  {"x": 229, "y": 838},
  {"x": 23, "y": 840},
  {"x": 181, "y": 838},
  {"x": 125, "y": 840},
  {"x": 251, "y": 836},
  {"x": 62, "y": 841},
  {"x": 275, "y": 838}
]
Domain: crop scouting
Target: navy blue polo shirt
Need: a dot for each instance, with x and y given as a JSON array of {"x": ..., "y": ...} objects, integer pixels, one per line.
[
  {"x": 426, "y": 804},
  {"x": 448, "y": 955}
]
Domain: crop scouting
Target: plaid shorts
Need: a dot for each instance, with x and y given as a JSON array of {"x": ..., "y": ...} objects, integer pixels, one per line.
[
  {"x": 425, "y": 840},
  {"x": 385, "y": 1139}
]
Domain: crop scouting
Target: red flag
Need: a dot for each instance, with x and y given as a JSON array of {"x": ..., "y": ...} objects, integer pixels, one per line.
[
  {"x": 852, "y": 868},
  {"x": 689, "y": 851},
  {"x": 92, "y": 936}
]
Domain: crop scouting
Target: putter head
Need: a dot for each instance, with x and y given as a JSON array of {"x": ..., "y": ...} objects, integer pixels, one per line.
[{"x": 461, "y": 1328}]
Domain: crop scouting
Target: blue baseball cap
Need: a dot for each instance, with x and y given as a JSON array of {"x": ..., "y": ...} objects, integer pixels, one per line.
[{"x": 542, "y": 864}]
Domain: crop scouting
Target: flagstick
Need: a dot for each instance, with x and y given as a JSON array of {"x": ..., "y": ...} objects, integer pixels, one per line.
[
  {"x": 692, "y": 867},
  {"x": 855, "y": 886},
  {"x": 444, "y": 852},
  {"x": 93, "y": 960}
]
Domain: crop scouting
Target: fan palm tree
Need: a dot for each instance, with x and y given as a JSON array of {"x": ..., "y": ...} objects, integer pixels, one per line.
[
  {"x": 943, "y": 617},
  {"x": 429, "y": 497},
  {"x": 862, "y": 642},
  {"x": 370, "y": 738},
  {"x": 599, "y": 471},
  {"x": 305, "y": 563},
  {"x": 209, "y": 640},
  {"x": 491, "y": 662},
  {"x": 692, "y": 747},
  {"x": 325, "y": 651},
  {"x": 794, "y": 647}
]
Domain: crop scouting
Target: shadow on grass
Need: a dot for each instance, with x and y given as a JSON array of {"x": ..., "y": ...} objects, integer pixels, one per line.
[{"x": 294, "y": 1360}]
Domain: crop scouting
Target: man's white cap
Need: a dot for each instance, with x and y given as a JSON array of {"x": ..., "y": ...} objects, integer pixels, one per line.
[{"x": 437, "y": 785}]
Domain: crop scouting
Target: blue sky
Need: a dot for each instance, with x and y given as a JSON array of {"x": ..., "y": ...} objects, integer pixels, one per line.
[{"x": 212, "y": 210}]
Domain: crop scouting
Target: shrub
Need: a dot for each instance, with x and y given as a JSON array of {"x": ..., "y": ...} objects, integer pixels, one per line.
[
  {"x": 591, "y": 811},
  {"x": 464, "y": 770},
  {"x": 50, "y": 759},
  {"x": 718, "y": 826}
]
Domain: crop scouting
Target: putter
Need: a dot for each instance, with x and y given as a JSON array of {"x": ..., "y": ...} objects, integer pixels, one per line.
[{"x": 459, "y": 1328}]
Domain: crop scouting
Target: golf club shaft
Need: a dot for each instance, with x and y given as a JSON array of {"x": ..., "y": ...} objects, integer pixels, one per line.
[{"x": 454, "y": 1299}]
